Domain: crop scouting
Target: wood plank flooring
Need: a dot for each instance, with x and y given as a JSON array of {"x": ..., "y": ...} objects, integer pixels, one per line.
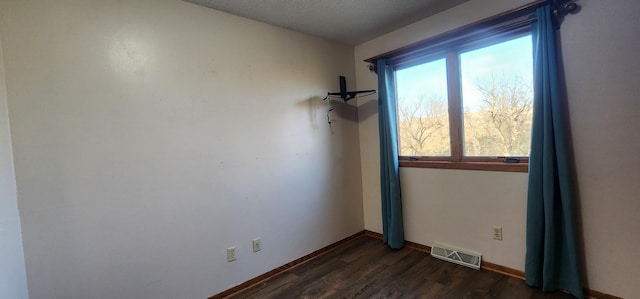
[{"x": 366, "y": 268}]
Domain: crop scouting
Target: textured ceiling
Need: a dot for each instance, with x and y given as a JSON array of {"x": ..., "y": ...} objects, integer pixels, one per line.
[{"x": 348, "y": 21}]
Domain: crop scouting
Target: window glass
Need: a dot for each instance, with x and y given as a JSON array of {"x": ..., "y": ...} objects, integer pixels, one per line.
[
  {"x": 497, "y": 98},
  {"x": 423, "y": 118}
]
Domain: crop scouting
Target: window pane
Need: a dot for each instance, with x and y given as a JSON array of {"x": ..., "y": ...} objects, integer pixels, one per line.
[
  {"x": 497, "y": 93},
  {"x": 423, "y": 118}
]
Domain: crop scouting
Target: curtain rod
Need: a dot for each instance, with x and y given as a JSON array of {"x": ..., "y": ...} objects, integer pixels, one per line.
[{"x": 560, "y": 9}]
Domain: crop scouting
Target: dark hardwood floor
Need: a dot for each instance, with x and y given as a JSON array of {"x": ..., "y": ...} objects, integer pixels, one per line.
[{"x": 366, "y": 268}]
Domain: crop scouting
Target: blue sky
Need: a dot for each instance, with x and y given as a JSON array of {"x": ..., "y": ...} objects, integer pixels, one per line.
[{"x": 513, "y": 57}]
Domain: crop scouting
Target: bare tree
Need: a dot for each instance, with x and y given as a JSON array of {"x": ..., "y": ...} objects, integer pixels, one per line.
[
  {"x": 499, "y": 126},
  {"x": 422, "y": 123},
  {"x": 503, "y": 125}
]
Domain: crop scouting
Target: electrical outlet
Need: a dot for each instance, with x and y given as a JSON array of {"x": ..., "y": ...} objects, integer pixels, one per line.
[
  {"x": 231, "y": 254},
  {"x": 257, "y": 245},
  {"x": 497, "y": 232}
]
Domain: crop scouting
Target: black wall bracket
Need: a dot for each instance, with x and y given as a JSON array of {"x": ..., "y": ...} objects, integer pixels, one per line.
[{"x": 347, "y": 95}]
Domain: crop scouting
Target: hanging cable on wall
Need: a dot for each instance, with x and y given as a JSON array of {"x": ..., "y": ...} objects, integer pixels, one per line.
[{"x": 329, "y": 117}]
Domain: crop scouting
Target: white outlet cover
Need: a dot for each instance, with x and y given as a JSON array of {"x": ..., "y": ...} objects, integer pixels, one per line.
[
  {"x": 231, "y": 254},
  {"x": 257, "y": 244},
  {"x": 497, "y": 232}
]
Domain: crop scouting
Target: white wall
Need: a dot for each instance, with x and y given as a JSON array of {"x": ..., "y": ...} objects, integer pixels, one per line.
[
  {"x": 459, "y": 207},
  {"x": 600, "y": 50},
  {"x": 149, "y": 136},
  {"x": 13, "y": 280}
]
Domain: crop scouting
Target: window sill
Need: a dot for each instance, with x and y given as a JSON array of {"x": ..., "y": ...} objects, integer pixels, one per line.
[{"x": 487, "y": 166}]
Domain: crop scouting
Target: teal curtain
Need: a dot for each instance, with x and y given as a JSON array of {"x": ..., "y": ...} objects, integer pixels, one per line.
[
  {"x": 392, "y": 227},
  {"x": 551, "y": 257}
]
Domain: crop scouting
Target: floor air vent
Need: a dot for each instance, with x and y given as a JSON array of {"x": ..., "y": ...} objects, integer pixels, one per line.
[{"x": 456, "y": 255}]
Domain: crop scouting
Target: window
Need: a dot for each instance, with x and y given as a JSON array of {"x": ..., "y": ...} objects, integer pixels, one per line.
[
  {"x": 423, "y": 118},
  {"x": 497, "y": 99},
  {"x": 467, "y": 106}
]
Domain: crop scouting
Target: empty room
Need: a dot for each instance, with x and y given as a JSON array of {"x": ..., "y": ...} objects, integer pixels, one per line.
[{"x": 319, "y": 149}]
